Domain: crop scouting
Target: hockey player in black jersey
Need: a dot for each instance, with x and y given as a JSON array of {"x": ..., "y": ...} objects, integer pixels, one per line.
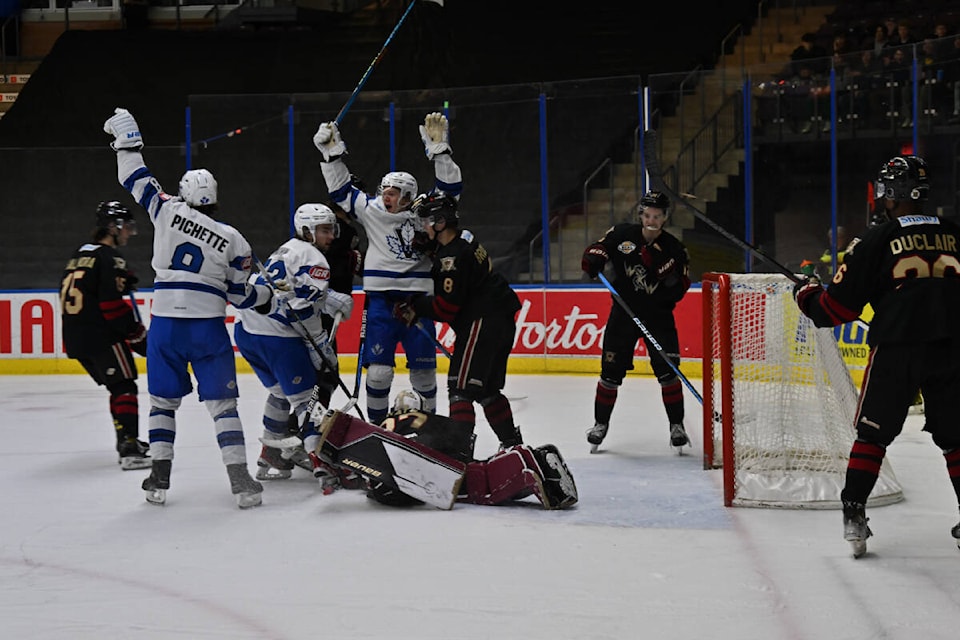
[
  {"x": 648, "y": 268},
  {"x": 100, "y": 328},
  {"x": 481, "y": 308},
  {"x": 908, "y": 269}
]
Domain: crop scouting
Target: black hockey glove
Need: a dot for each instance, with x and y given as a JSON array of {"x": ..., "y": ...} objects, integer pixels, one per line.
[
  {"x": 594, "y": 258},
  {"x": 804, "y": 289},
  {"x": 137, "y": 340}
]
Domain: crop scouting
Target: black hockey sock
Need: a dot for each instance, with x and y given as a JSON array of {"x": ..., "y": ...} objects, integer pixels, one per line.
[
  {"x": 125, "y": 411},
  {"x": 603, "y": 402},
  {"x": 500, "y": 416},
  {"x": 672, "y": 395},
  {"x": 953, "y": 469},
  {"x": 862, "y": 471}
]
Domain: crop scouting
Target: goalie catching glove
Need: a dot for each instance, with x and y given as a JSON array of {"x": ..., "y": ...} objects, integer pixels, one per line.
[
  {"x": 328, "y": 142},
  {"x": 435, "y": 133},
  {"x": 124, "y": 129}
]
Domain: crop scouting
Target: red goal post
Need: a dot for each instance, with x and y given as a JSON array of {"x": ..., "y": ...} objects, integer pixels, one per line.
[{"x": 778, "y": 400}]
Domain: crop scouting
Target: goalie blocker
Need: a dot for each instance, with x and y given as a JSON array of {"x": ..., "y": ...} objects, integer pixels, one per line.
[{"x": 417, "y": 457}]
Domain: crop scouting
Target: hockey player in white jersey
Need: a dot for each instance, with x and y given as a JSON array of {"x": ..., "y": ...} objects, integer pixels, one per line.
[
  {"x": 200, "y": 265},
  {"x": 394, "y": 270},
  {"x": 276, "y": 345}
]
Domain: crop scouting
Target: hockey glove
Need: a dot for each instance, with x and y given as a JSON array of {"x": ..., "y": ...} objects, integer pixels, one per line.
[
  {"x": 435, "y": 133},
  {"x": 124, "y": 129},
  {"x": 328, "y": 141},
  {"x": 404, "y": 312},
  {"x": 337, "y": 302},
  {"x": 137, "y": 340},
  {"x": 803, "y": 290},
  {"x": 322, "y": 356},
  {"x": 594, "y": 258},
  {"x": 283, "y": 292},
  {"x": 422, "y": 243},
  {"x": 131, "y": 282}
]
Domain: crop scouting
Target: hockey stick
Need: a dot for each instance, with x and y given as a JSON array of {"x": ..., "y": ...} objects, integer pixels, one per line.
[
  {"x": 136, "y": 307},
  {"x": 373, "y": 63},
  {"x": 305, "y": 334},
  {"x": 653, "y": 341},
  {"x": 436, "y": 341},
  {"x": 655, "y": 170},
  {"x": 363, "y": 339}
]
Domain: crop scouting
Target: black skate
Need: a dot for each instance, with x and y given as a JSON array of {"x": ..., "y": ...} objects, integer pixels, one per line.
[
  {"x": 246, "y": 489},
  {"x": 596, "y": 434},
  {"x": 156, "y": 484},
  {"x": 271, "y": 465},
  {"x": 855, "y": 529},
  {"x": 133, "y": 454},
  {"x": 679, "y": 437}
]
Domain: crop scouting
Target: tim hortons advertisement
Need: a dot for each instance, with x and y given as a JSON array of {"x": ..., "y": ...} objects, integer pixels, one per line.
[{"x": 559, "y": 329}]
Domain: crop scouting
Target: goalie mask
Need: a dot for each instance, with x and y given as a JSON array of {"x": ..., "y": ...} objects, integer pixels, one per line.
[
  {"x": 406, "y": 401},
  {"x": 312, "y": 215},
  {"x": 198, "y": 188},
  {"x": 402, "y": 181},
  {"x": 113, "y": 215},
  {"x": 903, "y": 178}
]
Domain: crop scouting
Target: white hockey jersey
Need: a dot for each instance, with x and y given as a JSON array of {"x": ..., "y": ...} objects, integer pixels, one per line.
[
  {"x": 390, "y": 263},
  {"x": 200, "y": 264},
  {"x": 306, "y": 269}
]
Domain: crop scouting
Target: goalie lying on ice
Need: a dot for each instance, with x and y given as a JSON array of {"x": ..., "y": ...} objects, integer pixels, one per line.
[{"x": 418, "y": 457}]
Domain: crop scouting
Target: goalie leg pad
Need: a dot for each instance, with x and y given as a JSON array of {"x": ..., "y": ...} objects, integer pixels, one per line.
[
  {"x": 505, "y": 476},
  {"x": 382, "y": 456}
]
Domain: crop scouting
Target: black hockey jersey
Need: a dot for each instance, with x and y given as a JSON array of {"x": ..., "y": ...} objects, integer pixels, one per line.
[
  {"x": 908, "y": 269},
  {"x": 93, "y": 310},
  {"x": 465, "y": 285},
  {"x": 647, "y": 289}
]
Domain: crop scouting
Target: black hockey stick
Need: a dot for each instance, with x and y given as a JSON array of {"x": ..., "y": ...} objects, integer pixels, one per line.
[
  {"x": 655, "y": 170},
  {"x": 363, "y": 339},
  {"x": 305, "y": 333},
  {"x": 653, "y": 341},
  {"x": 373, "y": 63},
  {"x": 436, "y": 341}
]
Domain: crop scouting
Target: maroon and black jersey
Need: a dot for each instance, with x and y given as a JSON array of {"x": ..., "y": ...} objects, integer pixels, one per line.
[
  {"x": 648, "y": 276},
  {"x": 908, "y": 269},
  {"x": 465, "y": 286},
  {"x": 93, "y": 310}
]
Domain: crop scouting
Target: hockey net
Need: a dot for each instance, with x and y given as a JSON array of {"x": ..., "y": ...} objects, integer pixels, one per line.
[{"x": 778, "y": 400}]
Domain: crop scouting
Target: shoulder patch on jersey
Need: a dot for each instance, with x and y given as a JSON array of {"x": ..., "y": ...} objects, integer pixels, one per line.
[
  {"x": 910, "y": 221},
  {"x": 467, "y": 235},
  {"x": 319, "y": 273},
  {"x": 627, "y": 247},
  {"x": 448, "y": 264}
]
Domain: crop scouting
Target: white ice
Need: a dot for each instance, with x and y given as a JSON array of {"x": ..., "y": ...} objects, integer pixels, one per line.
[{"x": 649, "y": 552}]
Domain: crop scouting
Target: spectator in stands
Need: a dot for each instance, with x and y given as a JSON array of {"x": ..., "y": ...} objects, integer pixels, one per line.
[
  {"x": 809, "y": 55},
  {"x": 865, "y": 76},
  {"x": 879, "y": 41},
  {"x": 898, "y": 73},
  {"x": 904, "y": 35}
]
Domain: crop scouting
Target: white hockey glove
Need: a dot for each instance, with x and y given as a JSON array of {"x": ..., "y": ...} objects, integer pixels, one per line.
[
  {"x": 124, "y": 129},
  {"x": 327, "y": 139},
  {"x": 323, "y": 359},
  {"x": 435, "y": 133},
  {"x": 283, "y": 292},
  {"x": 337, "y": 302}
]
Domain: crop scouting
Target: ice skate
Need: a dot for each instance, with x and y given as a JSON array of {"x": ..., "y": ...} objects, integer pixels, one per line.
[
  {"x": 271, "y": 465},
  {"x": 678, "y": 437},
  {"x": 596, "y": 434},
  {"x": 325, "y": 474},
  {"x": 247, "y": 490},
  {"x": 132, "y": 454},
  {"x": 955, "y": 532},
  {"x": 156, "y": 484},
  {"x": 855, "y": 529},
  {"x": 298, "y": 456}
]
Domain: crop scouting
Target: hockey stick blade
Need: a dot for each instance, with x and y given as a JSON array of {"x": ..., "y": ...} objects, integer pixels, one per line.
[{"x": 654, "y": 168}]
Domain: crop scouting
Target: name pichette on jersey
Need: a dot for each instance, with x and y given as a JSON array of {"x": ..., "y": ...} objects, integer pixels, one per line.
[
  {"x": 400, "y": 243},
  {"x": 199, "y": 232}
]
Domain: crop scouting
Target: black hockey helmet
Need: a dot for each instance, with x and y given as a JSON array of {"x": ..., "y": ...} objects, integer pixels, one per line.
[
  {"x": 903, "y": 178},
  {"x": 113, "y": 214},
  {"x": 655, "y": 199},
  {"x": 438, "y": 206}
]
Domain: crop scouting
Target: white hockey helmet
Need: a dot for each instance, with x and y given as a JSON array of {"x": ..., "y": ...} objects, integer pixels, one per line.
[
  {"x": 406, "y": 401},
  {"x": 198, "y": 188},
  {"x": 401, "y": 180},
  {"x": 311, "y": 215}
]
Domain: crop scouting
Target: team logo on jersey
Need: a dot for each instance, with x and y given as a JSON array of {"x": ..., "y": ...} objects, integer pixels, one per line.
[
  {"x": 627, "y": 247},
  {"x": 319, "y": 273},
  {"x": 400, "y": 242},
  {"x": 638, "y": 278},
  {"x": 448, "y": 264}
]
